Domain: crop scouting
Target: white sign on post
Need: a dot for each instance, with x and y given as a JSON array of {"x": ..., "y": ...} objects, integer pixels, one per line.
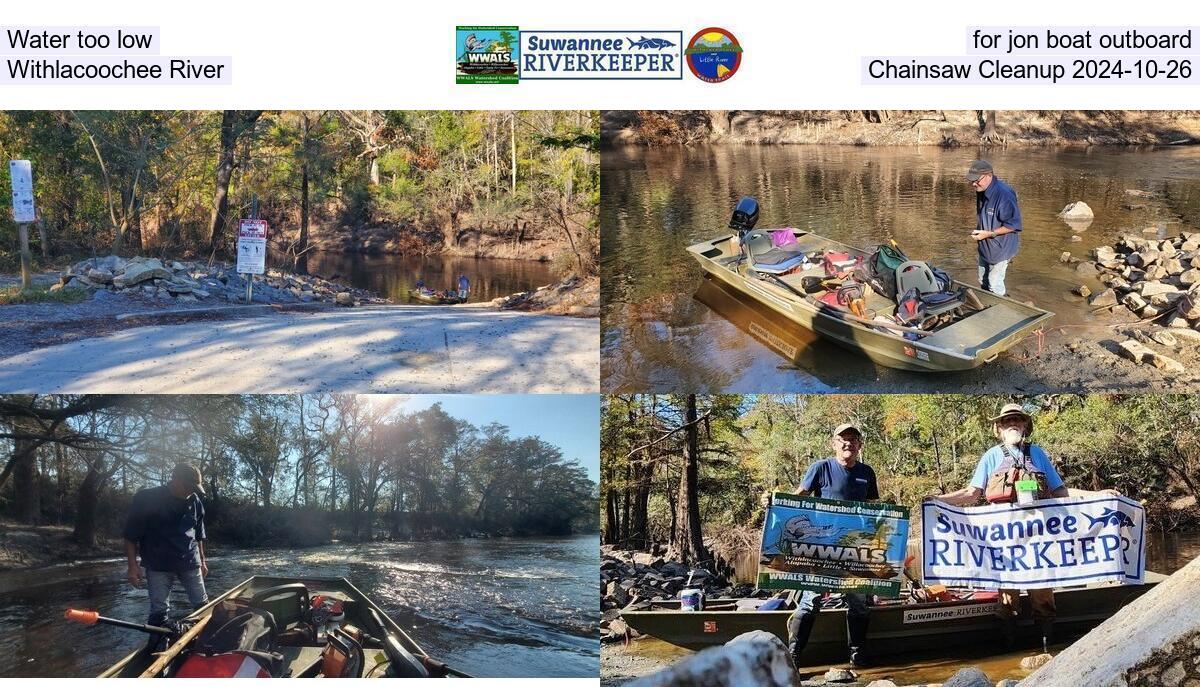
[
  {"x": 252, "y": 247},
  {"x": 22, "y": 191}
]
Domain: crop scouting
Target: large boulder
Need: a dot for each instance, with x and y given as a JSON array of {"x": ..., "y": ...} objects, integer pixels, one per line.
[
  {"x": 756, "y": 658},
  {"x": 136, "y": 273},
  {"x": 1077, "y": 210},
  {"x": 1153, "y": 641}
]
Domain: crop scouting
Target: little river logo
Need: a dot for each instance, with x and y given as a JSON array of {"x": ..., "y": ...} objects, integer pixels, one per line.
[
  {"x": 713, "y": 55},
  {"x": 486, "y": 54}
]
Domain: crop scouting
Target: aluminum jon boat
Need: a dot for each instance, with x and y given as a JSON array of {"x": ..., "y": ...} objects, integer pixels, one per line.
[
  {"x": 383, "y": 650},
  {"x": 991, "y": 325},
  {"x": 895, "y": 629}
]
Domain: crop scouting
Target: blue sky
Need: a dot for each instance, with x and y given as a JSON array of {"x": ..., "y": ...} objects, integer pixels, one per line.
[{"x": 569, "y": 421}]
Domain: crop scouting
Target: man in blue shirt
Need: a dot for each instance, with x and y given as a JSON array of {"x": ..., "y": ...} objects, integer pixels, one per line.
[
  {"x": 464, "y": 286},
  {"x": 998, "y": 225},
  {"x": 844, "y": 478},
  {"x": 165, "y": 528}
]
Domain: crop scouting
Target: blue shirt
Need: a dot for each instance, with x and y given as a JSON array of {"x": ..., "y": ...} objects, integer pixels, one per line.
[
  {"x": 828, "y": 479},
  {"x": 463, "y": 283},
  {"x": 990, "y": 462},
  {"x": 997, "y": 207},
  {"x": 166, "y": 529}
]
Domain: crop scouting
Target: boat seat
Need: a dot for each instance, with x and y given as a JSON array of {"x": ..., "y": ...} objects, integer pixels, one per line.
[
  {"x": 916, "y": 274},
  {"x": 769, "y": 258},
  {"x": 290, "y": 606}
]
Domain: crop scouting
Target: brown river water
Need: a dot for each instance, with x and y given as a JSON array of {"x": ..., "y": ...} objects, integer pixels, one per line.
[
  {"x": 662, "y": 332},
  {"x": 1165, "y": 553},
  {"x": 394, "y": 276}
]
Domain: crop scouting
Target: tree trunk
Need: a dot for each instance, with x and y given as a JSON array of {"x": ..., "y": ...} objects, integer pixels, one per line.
[
  {"x": 232, "y": 124},
  {"x": 990, "y": 135},
  {"x": 27, "y": 503},
  {"x": 512, "y": 129},
  {"x": 300, "y": 264},
  {"x": 86, "y": 506},
  {"x": 44, "y": 236},
  {"x": 689, "y": 540}
]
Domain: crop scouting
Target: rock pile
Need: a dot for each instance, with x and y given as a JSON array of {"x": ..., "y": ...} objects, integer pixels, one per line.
[
  {"x": 189, "y": 282},
  {"x": 630, "y": 580},
  {"x": 1156, "y": 280},
  {"x": 574, "y": 296}
]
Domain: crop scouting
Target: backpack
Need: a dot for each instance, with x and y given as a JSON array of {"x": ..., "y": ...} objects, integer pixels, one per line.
[
  {"x": 1002, "y": 484},
  {"x": 910, "y": 308},
  {"x": 880, "y": 270}
]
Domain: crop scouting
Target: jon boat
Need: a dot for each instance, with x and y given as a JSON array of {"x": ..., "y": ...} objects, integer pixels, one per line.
[
  {"x": 976, "y": 338},
  {"x": 895, "y": 629},
  {"x": 391, "y": 653},
  {"x": 428, "y": 297}
]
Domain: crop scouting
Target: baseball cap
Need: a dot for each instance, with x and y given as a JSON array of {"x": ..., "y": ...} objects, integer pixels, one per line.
[
  {"x": 978, "y": 169},
  {"x": 188, "y": 474},
  {"x": 837, "y": 431}
]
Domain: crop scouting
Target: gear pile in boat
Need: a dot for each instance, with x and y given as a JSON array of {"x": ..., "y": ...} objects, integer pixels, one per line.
[{"x": 264, "y": 628}]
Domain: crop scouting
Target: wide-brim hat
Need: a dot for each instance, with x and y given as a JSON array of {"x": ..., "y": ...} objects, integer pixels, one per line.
[{"x": 1011, "y": 409}]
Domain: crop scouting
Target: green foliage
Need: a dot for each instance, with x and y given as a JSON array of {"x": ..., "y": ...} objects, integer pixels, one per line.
[
  {"x": 1145, "y": 446},
  {"x": 147, "y": 176}
]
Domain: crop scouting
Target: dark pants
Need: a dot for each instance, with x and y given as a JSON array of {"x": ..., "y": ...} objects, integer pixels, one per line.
[{"x": 801, "y": 623}]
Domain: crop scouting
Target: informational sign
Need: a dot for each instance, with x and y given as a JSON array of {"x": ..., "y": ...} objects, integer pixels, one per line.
[
  {"x": 252, "y": 246},
  {"x": 1053, "y": 542},
  {"x": 21, "y": 173},
  {"x": 839, "y": 546}
]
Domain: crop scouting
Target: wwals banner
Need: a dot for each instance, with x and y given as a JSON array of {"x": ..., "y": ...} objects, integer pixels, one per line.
[
  {"x": 1067, "y": 541},
  {"x": 838, "y": 546}
]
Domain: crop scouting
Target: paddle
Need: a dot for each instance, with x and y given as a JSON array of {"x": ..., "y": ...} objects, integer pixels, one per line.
[{"x": 94, "y": 618}]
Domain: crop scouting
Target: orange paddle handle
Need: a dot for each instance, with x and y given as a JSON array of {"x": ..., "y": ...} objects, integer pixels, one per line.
[{"x": 85, "y": 617}]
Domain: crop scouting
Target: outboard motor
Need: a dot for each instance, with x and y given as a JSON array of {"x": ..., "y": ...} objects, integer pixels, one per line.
[{"x": 745, "y": 215}]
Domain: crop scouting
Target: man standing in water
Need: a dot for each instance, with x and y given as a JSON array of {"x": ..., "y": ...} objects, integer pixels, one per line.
[
  {"x": 165, "y": 527},
  {"x": 464, "y": 286},
  {"x": 998, "y": 225},
  {"x": 844, "y": 478}
]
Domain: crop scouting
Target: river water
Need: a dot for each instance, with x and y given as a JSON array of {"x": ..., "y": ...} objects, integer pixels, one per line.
[
  {"x": 657, "y": 201},
  {"x": 1165, "y": 553},
  {"x": 393, "y": 276},
  {"x": 494, "y": 607}
]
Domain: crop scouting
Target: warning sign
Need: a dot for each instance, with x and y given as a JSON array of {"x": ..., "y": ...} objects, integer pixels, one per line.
[{"x": 252, "y": 246}]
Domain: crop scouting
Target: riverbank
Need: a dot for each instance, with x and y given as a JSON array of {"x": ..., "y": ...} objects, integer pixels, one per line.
[
  {"x": 23, "y": 547},
  {"x": 946, "y": 128},
  {"x": 520, "y": 240},
  {"x": 574, "y": 297}
]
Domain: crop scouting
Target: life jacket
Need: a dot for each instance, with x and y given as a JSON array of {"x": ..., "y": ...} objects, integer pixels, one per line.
[
  {"x": 910, "y": 308},
  {"x": 837, "y": 262},
  {"x": 232, "y": 664},
  {"x": 1002, "y": 484}
]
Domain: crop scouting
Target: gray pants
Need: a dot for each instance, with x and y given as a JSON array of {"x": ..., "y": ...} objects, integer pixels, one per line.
[
  {"x": 800, "y": 623},
  {"x": 159, "y": 584}
]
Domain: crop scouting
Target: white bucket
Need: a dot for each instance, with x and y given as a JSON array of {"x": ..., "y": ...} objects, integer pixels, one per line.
[{"x": 691, "y": 600}]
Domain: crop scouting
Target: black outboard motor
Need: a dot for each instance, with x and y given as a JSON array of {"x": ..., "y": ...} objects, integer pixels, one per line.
[{"x": 745, "y": 215}]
